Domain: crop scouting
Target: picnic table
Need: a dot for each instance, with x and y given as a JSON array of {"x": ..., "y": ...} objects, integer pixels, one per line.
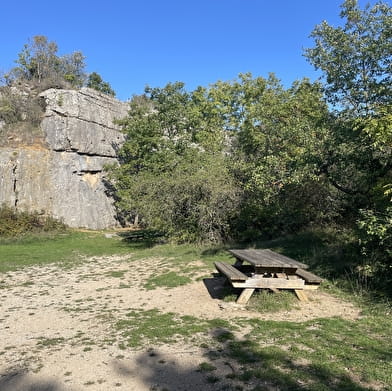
[{"x": 266, "y": 269}]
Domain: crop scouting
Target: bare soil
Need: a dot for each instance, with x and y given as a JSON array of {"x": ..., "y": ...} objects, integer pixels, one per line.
[{"x": 54, "y": 335}]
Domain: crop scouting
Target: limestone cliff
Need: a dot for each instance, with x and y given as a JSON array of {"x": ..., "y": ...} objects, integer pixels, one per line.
[{"x": 62, "y": 174}]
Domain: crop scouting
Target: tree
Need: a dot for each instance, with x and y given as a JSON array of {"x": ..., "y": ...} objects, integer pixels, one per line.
[
  {"x": 39, "y": 63},
  {"x": 356, "y": 59},
  {"x": 95, "y": 81},
  {"x": 276, "y": 145},
  {"x": 38, "y": 59},
  {"x": 194, "y": 162},
  {"x": 73, "y": 68},
  {"x": 173, "y": 170}
]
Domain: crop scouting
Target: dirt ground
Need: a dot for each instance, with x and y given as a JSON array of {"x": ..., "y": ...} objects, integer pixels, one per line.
[{"x": 48, "y": 315}]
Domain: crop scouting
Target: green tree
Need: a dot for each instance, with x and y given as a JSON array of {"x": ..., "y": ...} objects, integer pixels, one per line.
[
  {"x": 173, "y": 171},
  {"x": 39, "y": 63},
  {"x": 237, "y": 148},
  {"x": 356, "y": 63},
  {"x": 38, "y": 59},
  {"x": 356, "y": 58},
  {"x": 278, "y": 138},
  {"x": 95, "y": 81}
]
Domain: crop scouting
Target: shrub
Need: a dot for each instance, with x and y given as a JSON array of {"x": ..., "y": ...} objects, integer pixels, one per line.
[
  {"x": 16, "y": 223},
  {"x": 18, "y": 105}
]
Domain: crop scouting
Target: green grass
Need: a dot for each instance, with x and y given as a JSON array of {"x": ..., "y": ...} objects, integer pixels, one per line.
[
  {"x": 69, "y": 247},
  {"x": 154, "y": 327},
  {"x": 267, "y": 302},
  {"x": 323, "y": 354},
  {"x": 166, "y": 280},
  {"x": 117, "y": 273},
  {"x": 50, "y": 341},
  {"x": 206, "y": 367},
  {"x": 65, "y": 248}
]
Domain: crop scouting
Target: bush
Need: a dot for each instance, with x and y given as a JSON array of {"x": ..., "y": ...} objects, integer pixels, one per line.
[
  {"x": 18, "y": 105},
  {"x": 376, "y": 245},
  {"x": 17, "y": 223}
]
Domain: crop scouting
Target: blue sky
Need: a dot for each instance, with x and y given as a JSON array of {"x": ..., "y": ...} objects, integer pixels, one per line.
[{"x": 132, "y": 44}]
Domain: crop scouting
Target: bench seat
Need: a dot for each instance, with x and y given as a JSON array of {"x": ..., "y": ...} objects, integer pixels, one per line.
[
  {"x": 309, "y": 277},
  {"x": 232, "y": 273}
]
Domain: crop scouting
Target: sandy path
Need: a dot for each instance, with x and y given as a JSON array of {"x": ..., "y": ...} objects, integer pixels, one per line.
[{"x": 56, "y": 333}]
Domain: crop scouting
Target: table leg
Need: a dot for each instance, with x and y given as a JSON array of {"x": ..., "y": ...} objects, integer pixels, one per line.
[
  {"x": 301, "y": 295},
  {"x": 245, "y": 295},
  {"x": 238, "y": 262}
]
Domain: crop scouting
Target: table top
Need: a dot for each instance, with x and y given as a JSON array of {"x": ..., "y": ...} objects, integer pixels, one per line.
[{"x": 267, "y": 258}]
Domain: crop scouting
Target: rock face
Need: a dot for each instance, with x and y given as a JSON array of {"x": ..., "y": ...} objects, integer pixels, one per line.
[{"x": 63, "y": 177}]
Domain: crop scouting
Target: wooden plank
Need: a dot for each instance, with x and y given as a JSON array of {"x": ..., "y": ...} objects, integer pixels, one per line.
[
  {"x": 266, "y": 258},
  {"x": 311, "y": 287},
  {"x": 301, "y": 295},
  {"x": 288, "y": 262},
  {"x": 308, "y": 276},
  {"x": 281, "y": 275},
  {"x": 245, "y": 295},
  {"x": 264, "y": 283},
  {"x": 230, "y": 272}
]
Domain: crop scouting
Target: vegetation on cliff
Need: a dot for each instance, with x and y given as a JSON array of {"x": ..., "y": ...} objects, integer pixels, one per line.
[{"x": 39, "y": 67}]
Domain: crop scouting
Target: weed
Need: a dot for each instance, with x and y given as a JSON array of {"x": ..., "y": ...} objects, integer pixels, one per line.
[
  {"x": 206, "y": 367},
  {"x": 116, "y": 273},
  {"x": 50, "y": 341},
  {"x": 27, "y": 283},
  {"x": 168, "y": 280},
  {"x": 152, "y": 326},
  {"x": 265, "y": 301},
  {"x": 212, "y": 379}
]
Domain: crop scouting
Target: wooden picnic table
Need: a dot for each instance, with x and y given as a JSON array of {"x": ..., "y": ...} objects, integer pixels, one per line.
[
  {"x": 267, "y": 259},
  {"x": 267, "y": 270}
]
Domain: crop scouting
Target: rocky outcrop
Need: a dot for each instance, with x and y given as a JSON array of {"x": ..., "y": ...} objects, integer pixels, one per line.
[{"x": 64, "y": 176}]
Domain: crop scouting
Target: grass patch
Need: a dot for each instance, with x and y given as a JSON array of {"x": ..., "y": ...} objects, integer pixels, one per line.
[
  {"x": 265, "y": 301},
  {"x": 116, "y": 273},
  {"x": 206, "y": 367},
  {"x": 167, "y": 280},
  {"x": 66, "y": 249},
  {"x": 324, "y": 354},
  {"x": 50, "y": 341},
  {"x": 154, "y": 327}
]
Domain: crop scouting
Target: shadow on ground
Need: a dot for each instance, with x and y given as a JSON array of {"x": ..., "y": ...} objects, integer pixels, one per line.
[
  {"x": 19, "y": 380},
  {"x": 218, "y": 287},
  {"x": 231, "y": 364},
  {"x": 141, "y": 239}
]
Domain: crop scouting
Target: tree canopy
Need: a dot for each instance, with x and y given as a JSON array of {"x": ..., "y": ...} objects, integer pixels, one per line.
[
  {"x": 249, "y": 158},
  {"x": 39, "y": 64}
]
